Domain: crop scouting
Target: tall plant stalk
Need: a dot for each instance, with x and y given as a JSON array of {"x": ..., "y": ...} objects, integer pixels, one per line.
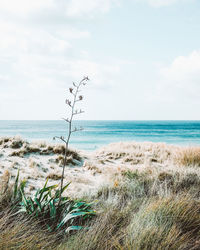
[{"x": 74, "y": 91}]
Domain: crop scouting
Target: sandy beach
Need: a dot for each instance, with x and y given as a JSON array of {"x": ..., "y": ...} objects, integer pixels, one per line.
[{"x": 89, "y": 171}]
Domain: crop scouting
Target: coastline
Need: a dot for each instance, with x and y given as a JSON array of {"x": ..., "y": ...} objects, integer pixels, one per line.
[{"x": 97, "y": 134}]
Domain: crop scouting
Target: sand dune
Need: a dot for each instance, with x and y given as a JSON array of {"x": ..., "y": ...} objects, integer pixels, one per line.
[{"x": 87, "y": 172}]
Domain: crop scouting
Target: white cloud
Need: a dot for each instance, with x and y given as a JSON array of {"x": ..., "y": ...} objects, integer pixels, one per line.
[
  {"x": 25, "y": 6},
  {"x": 181, "y": 79},
  {"x": 16, "y": 38},
  {"x": 72, "y": 33},
  {"x": 78, "y": 8},
  {"x": 70, "y": 8},
  {"x": 162, "y": 3},
  {"x": 184, "y": 68},
  {"x": 103, "y": 73}
]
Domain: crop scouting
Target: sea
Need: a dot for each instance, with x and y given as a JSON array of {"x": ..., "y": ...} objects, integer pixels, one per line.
[{"x": 96, "y": 134}]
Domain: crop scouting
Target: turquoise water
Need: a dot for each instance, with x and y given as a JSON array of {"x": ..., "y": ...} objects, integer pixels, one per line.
[{"x": 99, "y": 133}]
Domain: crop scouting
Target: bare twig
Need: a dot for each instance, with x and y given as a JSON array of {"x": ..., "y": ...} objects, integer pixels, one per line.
[
  {"x": 60, "y": 137},
  {"x": 76, "y": 129},
  {"x": 67, "y": 120}
]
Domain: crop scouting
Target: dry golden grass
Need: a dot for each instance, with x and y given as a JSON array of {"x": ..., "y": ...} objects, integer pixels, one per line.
[
  {"x": 31, "y": 163},
  {"x": 145, "y": 211},
  {"x": 12, "y": 142},
  {"x": 90, "y": 166},
  {"x": 23, "y": 233},
  {"x": 4, "y": 182},
  {"x": 104, "y": 233},
  {"x": 189, "y": 156},
  {"x": 54, "y": 176},
  {"x": 138, "y": 153},
  {"x": 23, "y": 148},
  {"x": 165, "y": 223}
]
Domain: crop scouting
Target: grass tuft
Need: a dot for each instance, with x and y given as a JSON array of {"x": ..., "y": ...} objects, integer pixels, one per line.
[{"x": 189, "y": 156}]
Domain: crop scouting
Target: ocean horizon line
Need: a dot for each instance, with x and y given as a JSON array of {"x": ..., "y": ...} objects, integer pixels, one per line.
[{"x": 139, "y": 120}]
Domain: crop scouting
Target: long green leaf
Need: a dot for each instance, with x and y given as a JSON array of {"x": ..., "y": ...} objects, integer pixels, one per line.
[
  {"x": 70, "y": 216},
  {"x": 38, "y": 204},
  {"x": 24, "y": 199},
  {"x": 31, "y": 202},
  {"x": 58, "y": 191},
  {"x": 46, "y": 189},
  {"x": 52, "y": 209},
  {"x": 39, "y": 190},
  {"x": 73, "y": 228},
  {"x": 16, "y": 185},
  {"x": 22, "y": 185}
]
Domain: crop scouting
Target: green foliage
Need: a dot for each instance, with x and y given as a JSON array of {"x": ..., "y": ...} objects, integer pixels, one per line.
[
  {"x": 66, "y": 215},
  {"x": 131, "y": 175},
  {"x": 18, "y": 189}
]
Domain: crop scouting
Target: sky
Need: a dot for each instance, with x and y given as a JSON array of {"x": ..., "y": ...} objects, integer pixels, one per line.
[{"x": 142, "y": 58}]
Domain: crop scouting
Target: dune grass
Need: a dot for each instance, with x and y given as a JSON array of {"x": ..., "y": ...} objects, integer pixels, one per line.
[
  {"x": 189, "y": 156},
  {"x": 144, "y": 212},
  {"x": 151, "y": 207},
  {"x": 141, "y": 218},
  {"x": 20, "y": 232},
  {"x": 139, "y": 213},
  {"x": 166, "y": 223}
]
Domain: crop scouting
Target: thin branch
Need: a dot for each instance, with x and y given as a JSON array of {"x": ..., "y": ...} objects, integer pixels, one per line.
[
  {"x": 76, "y": 130},
  {"x": 67, "y": 120},
  {"x": 78, "y": 112},
  {"x": 60, "y": 138}
]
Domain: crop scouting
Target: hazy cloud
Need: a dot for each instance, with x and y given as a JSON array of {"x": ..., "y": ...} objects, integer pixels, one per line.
[
  {"x": 162, "y": 3},
  {"x": 71, "y": 8},
  {"x": 76, "y": 8},
  {"x": 25, "y": 7},
  {"x": 39, "y": 56},
  {"x": 181, "y": 79}
]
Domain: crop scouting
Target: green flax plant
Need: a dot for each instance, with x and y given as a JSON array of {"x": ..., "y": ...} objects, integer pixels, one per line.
[
  {"x": 67, "y": 216},
  {"x": 71, "y": 103}
]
